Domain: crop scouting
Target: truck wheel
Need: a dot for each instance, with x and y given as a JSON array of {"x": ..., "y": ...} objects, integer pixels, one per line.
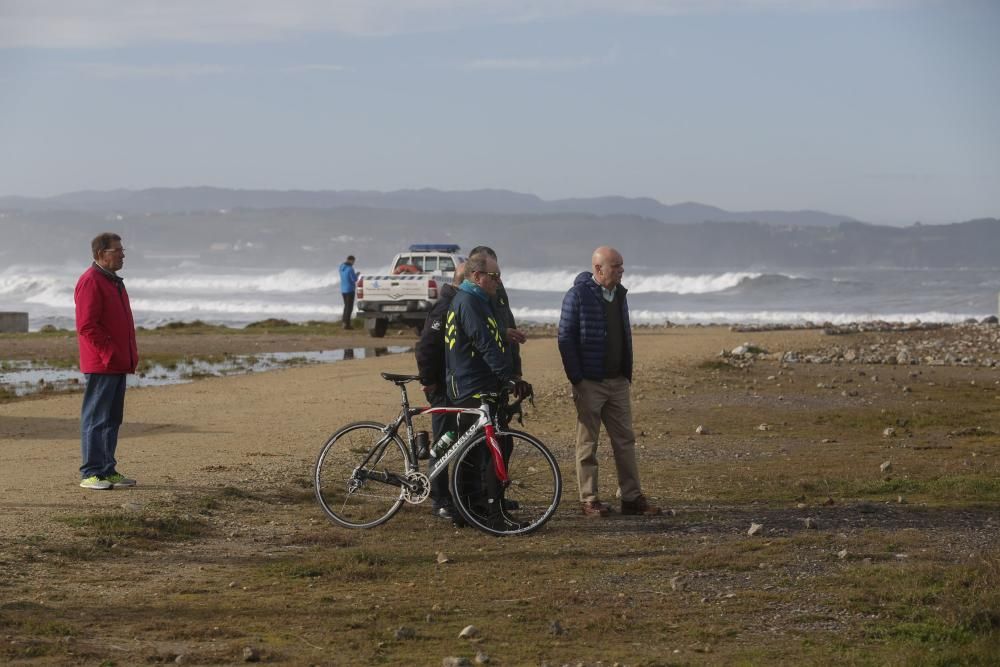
[{"x": 376, "y": 327}]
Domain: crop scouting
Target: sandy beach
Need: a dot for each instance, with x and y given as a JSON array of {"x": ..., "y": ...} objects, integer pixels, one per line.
[{"x": 261, "y": 570}]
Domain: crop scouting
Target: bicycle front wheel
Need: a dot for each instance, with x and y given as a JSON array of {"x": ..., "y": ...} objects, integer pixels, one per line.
[
  {"x": 351, "y": 473},
  {"x": 530, "y": 498}
]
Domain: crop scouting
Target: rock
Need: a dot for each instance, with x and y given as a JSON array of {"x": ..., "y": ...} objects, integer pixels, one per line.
[
  {"x": 442, "y": 558},
  {"x": 678, "y": 584},
  {"x": 842, "y": 554},
  {"x": 455, "y": 662},
  {"x": 829, "y": 501},
  {"x": 901, "y": 500},
  {"x": 992, "y": 319},
  {"x": 810, "y": 523},
  {"x": 889, "y": 432},
  {"x": 251, "y": 654},
  {"x": 701, "y": 430},
  {"x": 181, "y": 659},
  {"x": 132, "y": 507},
  {"x": 827, "y": 441},
  {"x": 755, "y": 528},
  {"x": 556, "y": 628},
  {"x": 482, "y": 658},
  {"x": 469, "y": 632},
  {"x": 764, "y": 427},
  {"x": 886, "y": 466},
  {"x": 405, "y": 633}
]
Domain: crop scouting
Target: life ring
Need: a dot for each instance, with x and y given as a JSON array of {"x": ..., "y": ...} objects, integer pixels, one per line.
[{"x": 406, "y": 268}]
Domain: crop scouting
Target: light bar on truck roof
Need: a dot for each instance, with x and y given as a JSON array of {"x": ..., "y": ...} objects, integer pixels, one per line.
[{"x": 434, "y": 247}]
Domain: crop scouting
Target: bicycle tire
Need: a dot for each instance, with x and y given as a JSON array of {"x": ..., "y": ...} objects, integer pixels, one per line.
[
  {"x": 535, "y": 486},
  {"x": 346, "y": 499}
]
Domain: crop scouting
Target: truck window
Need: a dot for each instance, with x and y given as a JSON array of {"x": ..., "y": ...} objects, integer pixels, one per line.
[{"x": 446, "y": 265}]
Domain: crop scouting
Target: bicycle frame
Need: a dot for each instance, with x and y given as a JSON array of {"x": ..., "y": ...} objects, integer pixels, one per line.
[{"x": 440, "y": 465}]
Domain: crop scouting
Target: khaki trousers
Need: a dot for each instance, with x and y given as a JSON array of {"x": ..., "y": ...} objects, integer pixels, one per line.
[{"x": 607, "y": 401}]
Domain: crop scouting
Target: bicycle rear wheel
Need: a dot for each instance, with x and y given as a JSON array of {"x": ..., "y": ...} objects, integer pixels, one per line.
[
  {"x": 528, "y": 501},
  {"x": 350, "y": 493}
]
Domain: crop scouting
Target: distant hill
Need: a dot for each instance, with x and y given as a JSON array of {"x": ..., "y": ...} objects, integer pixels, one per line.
[
  {"x": 497, "y": 202},
  {"x": 307, "y": 237}
]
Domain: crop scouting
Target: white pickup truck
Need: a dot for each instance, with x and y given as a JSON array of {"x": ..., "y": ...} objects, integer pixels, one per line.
[{"x": 410, "y": 290}]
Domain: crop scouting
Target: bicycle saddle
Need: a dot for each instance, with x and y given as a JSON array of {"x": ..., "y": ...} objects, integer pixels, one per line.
[{"x": 398, "y": 378}]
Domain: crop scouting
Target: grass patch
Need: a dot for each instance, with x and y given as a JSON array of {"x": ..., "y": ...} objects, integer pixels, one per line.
[{"x": 120, "y": 529}]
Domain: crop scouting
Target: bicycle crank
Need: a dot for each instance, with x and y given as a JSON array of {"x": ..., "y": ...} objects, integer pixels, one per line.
[{"x": 416, "y": 487}]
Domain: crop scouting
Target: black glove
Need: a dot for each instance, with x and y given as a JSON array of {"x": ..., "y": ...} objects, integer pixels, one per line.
[{"x": 520, "y": 389}]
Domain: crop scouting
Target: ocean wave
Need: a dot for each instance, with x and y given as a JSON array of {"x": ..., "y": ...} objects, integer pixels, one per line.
[
  {"x": 291, "y": 280},
  {"x": 754, "y": 317},
  {"x": 562, "y": 280}
]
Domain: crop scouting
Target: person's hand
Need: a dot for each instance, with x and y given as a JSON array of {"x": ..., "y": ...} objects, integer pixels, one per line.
[
  {"x": 520, "y": 389},
  {"x": 516, "y": 336}
]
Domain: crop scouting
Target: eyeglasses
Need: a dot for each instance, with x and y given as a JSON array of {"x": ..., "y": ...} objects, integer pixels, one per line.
[
  {"x": 495, "y": 275},
  {"x": 120, "y": 251}
]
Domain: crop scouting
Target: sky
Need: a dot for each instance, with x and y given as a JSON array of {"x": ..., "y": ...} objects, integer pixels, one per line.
[{"x": 887, "y": 111}]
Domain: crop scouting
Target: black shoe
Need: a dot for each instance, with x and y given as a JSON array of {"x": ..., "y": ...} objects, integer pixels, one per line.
[{"x": 505, "y": 523}]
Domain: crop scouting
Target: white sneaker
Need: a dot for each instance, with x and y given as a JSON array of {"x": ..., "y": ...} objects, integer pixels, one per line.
[{"x": 97, "y": 483}]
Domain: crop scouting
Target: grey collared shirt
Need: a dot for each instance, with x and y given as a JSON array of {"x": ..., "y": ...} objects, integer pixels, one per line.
[{"x": 608, "y": 294}]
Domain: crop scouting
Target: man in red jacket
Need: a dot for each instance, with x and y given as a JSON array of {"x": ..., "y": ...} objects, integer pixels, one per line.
[{"x": 108, "y": 353}]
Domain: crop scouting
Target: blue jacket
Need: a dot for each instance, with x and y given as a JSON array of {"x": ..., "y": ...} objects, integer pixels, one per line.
[
  {"x": 348, "y": 278},
  {"x": 476, "y": 357},
  {"x": 583, "y": 329}
]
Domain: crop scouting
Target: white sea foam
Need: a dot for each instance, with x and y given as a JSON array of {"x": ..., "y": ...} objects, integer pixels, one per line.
[
  {"x": 562, "y": 280},
  {"x": 290, "y": 280},
  {"x": 753, "y": 317}
]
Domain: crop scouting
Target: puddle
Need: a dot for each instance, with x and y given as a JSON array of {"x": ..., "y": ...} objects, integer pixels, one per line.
[{"x": 23, "y": 378}]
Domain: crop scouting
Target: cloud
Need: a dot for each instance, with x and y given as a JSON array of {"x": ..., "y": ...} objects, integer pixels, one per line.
[
  {"x": 538, "y": 64},
  {"x": 317, "y": 67},
  {"x": 176, "y": 72},
  {"x": 86, "y": 24}
]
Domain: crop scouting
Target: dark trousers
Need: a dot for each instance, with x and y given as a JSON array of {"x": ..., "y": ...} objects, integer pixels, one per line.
[
  {"x": 478, "y": 480},
  {"x": 440, "y": 424},
  {"x": 100, "y": 419},
  {"x": 348, "y": 307}
]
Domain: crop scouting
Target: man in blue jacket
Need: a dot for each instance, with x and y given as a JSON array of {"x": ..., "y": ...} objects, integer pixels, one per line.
[
  {"x": 477, "y": 362},
  {"x": 348, "y": 281},
  {"x": 595, "y": 341}
]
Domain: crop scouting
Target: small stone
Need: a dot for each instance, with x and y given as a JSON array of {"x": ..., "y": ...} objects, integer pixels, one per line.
[
  {"x": 482, "y": 658},
  {"x": 810, "y": 523},
  {"x": 886, "y": 466},
  {"x": 455, "y": 662},
  {"x": 404, "y": 632},
  {"x": 829, "y": 501},
  {"x": 132, "y": 507},
  {"x": 842, "y": 554},
  {"x": 251, "y": 654},
  {"x": 180, "y": 659},
  {"x": 701, "y": 430},
  {"x": 889, "y": 432},
  {"x": 800, "y": 506},
  {"x": 755, "y": 528},
  {"x": 678, "y": 584},
  {"x": 556, "y": 628},
  {"x": 442, "y": 558},
  {"x": 764, "y": 427},
  {"x": 901, "y": 500},
  {"x": 827, "y": 441},
  {"x": 469, "y": 632}
]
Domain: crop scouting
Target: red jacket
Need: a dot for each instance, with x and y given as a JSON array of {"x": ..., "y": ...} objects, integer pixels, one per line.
[{"x": 104, "y": 325}]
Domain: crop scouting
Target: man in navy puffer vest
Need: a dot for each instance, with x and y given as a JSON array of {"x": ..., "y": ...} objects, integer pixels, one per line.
[{"x": 595, "y": 341}]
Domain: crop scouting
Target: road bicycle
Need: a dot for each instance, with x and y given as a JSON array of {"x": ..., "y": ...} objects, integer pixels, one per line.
[{"x": 365, "y": 471}]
